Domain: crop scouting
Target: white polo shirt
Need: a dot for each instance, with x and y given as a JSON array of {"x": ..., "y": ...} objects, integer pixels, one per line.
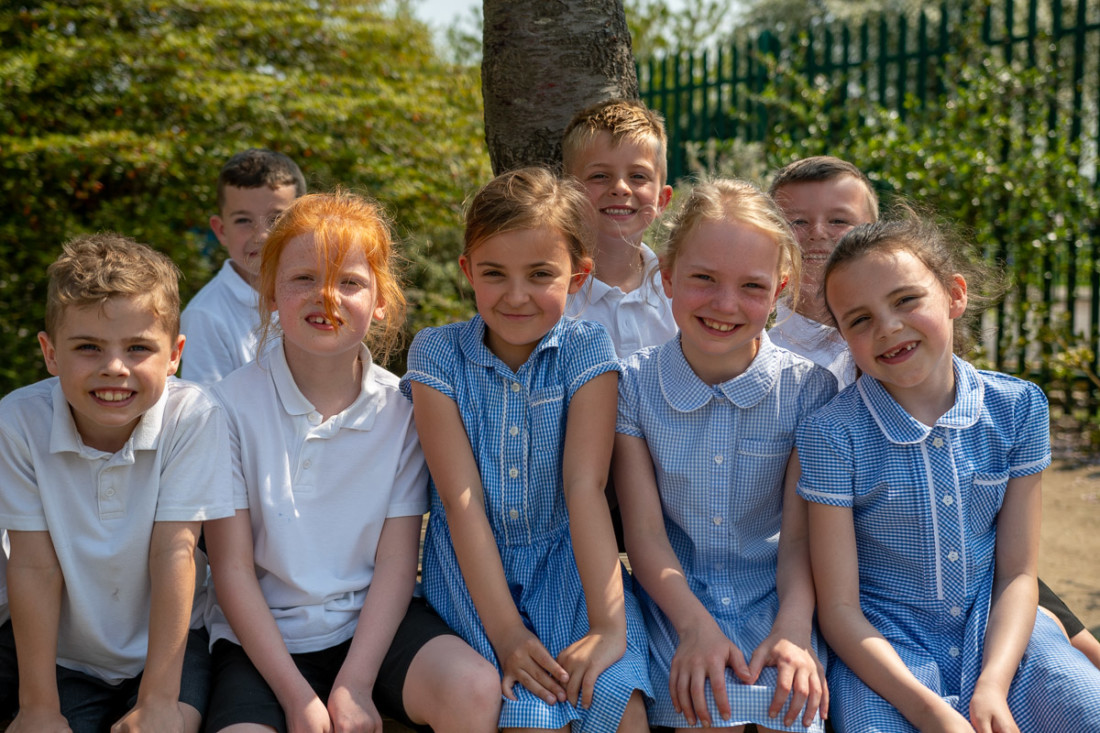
[
  {"x": 222, "y": 326},
  {"x": 818, "y": 342},
  {"x": 99, "y": 508},
  {"x": 318, "y": 492},
  {"x": 634, "y": 320}
]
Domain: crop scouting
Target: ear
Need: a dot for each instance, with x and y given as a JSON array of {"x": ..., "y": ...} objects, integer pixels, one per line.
[
  {"x": 177, "y": 352},
  {"x": 49, "y": 353},
  {"x": 666, "y": 279},
  {"x": 467, "y": 270},
  {"x": 218, "y": 227},
  {"x": 576, "y": 280},
  {"x": 379, "y": 309},
  {"x": 664, "y": 198},
  {"x": 957, "y": 295}
]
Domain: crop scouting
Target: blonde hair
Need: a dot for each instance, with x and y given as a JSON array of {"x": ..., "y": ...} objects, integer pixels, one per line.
[
  {"x": 739, "y": 201},
  {"x": 94, "y": 268},
  {"x": 340, "y": 223},
  {"x": 532, "y": 198},
  {"x": 624, "y": 119}
]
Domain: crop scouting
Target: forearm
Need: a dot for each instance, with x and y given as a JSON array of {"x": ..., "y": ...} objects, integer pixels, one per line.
[
  {"x": 385, "y": 605},
  {"x": 35, "y": 587},
  {"x": 597, "y": 556},
  {"x": 794, "y": 577},
  {"x": 172, "y": 579},
  {"x": 1011, "y": 622}
]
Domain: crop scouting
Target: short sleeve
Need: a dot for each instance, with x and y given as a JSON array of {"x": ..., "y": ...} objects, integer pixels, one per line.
[
  {"x": 588, "y": 354},
  {"x": 20, "y": 501},
  {"x": 194, "y": 483},
  {"x": 431, "y": 361},
  {"x": 410, "y": 483},
  {"x": 816, "y": 391},
  {"x": 826, "y": 459},
  {"x": 626, "y": 421},
  {"x": 1031, "y": 450}
]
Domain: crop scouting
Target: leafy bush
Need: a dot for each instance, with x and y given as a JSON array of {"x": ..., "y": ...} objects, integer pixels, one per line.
[{"x": 118, "y": 114}]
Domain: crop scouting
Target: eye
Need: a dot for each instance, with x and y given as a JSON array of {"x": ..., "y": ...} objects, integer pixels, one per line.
[
  {"x": 597, "y": 176},
  {"x": 797, "y": 223},
  {"x": 840, "y": 223},
  {"x": 702, "y": 276},
  {"x": 640, "y": 176},
  {"x": 351, "y": 283},
  {"x": 86, "y": 347},
  {"x": 857, "y": 321},
  {"x": 243, "y": 221},
  {"x": 139, "y": 348}
]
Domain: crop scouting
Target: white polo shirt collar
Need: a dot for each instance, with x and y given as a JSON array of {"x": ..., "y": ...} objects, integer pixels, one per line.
[
  {"x": 360, "y": 415},
  {"x": 65, "y": 438}
]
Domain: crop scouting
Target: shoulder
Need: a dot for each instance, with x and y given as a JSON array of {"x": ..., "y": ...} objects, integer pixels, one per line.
[
  {"x": 185, "y": 399},
  {"x": 28, "y": 409},
  {"x": 586, "y": 336},
  {"x": 438, "y": 338},
  {"x": 1000, "y": 387},
  {"x": 248, "y": 385}
]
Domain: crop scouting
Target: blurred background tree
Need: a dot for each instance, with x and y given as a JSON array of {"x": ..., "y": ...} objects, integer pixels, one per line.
[{"x": 117, "y": 115}]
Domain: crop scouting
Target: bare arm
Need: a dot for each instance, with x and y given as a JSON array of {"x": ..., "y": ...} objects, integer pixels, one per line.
[
  {"x": 350, "y": 705},
  {"x": 1014, "y": 602},
  {"x": 454, "y": 470},
  {"x": 704, "y": 651},
  {"x": 834, "y": 560},
  {"x": 229, "y": 546},
  {"x": 589, "y": 437},
  {"x": 35, "y": 586},
  {"x": 172, "y": 580}
]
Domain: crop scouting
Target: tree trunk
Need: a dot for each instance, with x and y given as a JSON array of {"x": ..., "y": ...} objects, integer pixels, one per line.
[{"x": 545, "y": 60}]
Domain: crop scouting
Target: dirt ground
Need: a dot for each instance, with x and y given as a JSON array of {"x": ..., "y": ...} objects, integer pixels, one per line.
[{"x": 1070, "y": 549}]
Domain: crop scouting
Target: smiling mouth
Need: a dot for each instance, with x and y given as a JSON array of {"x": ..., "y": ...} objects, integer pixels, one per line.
[
  {"x": 718, "y": 325},
  {"x": 898, "y": 351},
  {"x": 617, "y": 211},
  {"x": 113, "y": 395}
]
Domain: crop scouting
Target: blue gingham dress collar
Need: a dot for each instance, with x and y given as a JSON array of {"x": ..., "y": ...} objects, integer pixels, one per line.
[
  {"x": 686, "y": 392},
  {"x": 902, "y": 428},
  {"x": 472, "y": 344}
]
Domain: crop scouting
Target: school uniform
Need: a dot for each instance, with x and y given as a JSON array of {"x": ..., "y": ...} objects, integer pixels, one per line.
[
  {"x": 719, "y": 456},
  {"x": 820, "y": 343},
  {"x": 222, "y": 326},
  {"x": 100, "y": 509},
  {"x": 515, "y": 422},
  {"x": 642, "y": 317},
  {"x": 318, "y": 492},
  {"x": 924, "y": 504}
]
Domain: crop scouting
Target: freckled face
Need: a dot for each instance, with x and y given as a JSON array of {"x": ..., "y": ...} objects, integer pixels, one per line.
[
  {"x": 723, "y": 285},
  {"x": 300, "y": 292},
  {"x": 521, "y": 280}
]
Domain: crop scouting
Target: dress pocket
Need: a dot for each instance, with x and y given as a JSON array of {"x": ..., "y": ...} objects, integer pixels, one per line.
[{"x": 983, "y": 501}]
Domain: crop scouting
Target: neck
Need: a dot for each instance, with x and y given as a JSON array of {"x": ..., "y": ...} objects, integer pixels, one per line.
[
  {"x": 814, "y": 309},
  {"x": 331, "y": 384},
  {"x": 620, "y": 264},
  {"x": 248, "y": 277}
]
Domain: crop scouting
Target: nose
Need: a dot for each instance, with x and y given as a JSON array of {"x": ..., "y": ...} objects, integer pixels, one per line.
[
  {"x": 887, "y": 325},
  {"x": 620, "y": 187},
  {"x": 817, "y": 231},
  {"x": 115, "y": 365},
  {"x": 516, "y": 294},
  {"x": 725, "y": 298}
]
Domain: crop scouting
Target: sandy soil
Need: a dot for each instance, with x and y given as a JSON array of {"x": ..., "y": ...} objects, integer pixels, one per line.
[{"x": 1069, "y": 557}]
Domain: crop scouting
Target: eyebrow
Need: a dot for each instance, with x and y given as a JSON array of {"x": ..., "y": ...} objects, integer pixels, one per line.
[{"x": 891, "y": 294}]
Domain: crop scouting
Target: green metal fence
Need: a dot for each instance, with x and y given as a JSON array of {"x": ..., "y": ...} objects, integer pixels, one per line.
[{"x": 899, "y": 63}]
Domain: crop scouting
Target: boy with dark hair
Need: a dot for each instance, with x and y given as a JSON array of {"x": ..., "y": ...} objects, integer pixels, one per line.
[
  {"x": 221, "y": 322},
  {"x": 108, "y": 471}
]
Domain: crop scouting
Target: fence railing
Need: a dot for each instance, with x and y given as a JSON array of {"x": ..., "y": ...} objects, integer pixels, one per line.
[{"x": 899, "y": 62}]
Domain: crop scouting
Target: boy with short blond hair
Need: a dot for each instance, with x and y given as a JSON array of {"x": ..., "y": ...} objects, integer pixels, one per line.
[
  {"x": 222, "y": 321},
  {"x": 616, "y": 149},
  {"x": 822, "y": 197},
  {"x": 107, "y": 471}
]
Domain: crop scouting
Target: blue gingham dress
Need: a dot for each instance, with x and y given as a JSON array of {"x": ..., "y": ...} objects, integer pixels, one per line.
[
  {"x": 516, "y": 426},
  {"x": 720, "y": 455},
  {"x": 924, "y": 504}
]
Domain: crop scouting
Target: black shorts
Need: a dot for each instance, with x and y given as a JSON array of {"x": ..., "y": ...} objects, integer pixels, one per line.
[
  {"x": 1049, "y": 600},
  {"x": 241, "y": 695},
  {"x": 9, "y": 673}
]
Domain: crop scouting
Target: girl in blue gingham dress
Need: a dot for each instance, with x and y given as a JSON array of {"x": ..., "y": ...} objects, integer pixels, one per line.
[
  {"x": 515, "y": 411},
  {"x": 705, "y": 475},
  {"x": 924, "y": 479}
]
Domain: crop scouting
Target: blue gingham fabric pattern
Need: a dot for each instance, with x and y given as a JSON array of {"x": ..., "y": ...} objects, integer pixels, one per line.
[
  {"x": 720, "y": 455},
  {"x": 516, "y": 426},
  {"x": 924, "y": 505}
]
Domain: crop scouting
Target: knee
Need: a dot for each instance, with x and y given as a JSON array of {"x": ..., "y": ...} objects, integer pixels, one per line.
[{"x": 474, "y": 690}]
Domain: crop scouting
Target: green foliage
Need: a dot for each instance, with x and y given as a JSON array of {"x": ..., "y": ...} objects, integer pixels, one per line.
[{"x": 117, "y": 115}]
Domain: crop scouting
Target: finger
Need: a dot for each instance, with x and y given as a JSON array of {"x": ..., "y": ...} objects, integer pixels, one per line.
[
  {"x": 683, "y": 694},
  {"x": 544, "y": 659},
  {"x": 574, "y": 687},
  {"x": 783, "y": 680},
  {"x": 699, "y": 697},
  {"x": 756, "y": 665},
  {"x": 799, "y": 692},
  {"x": 737, "y": 664},
  {"x": 824, "y": 692},
  {"x": 589, "y": 688},
  {"x": 718, "y": 687},
  {"x": 814, "y": 700},
  {"x": 506, "y": 685},
  {"x": 540, "y": 684}
]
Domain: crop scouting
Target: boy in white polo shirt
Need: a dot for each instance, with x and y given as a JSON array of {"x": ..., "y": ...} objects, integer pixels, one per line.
[
  {"x": 222, "y": 321},
  {"x": 616, "y": 149},
  {"x": 107, "y": 472}
]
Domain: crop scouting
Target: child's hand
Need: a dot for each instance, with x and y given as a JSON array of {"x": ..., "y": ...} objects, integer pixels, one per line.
[
  {"x": 800, "y": 677},
  {"x": 944, "y": 719},
  {"x": 703, "y": 654},
  {"x": 30, "y": 720},
  {"x": 525, "y": 660},
  {"x": 309, "y": 718},
  {"x": 586, "y": 659},
  {"x": 155, "y": 716},
  {"x": 989, "y": 711},
  {"x": 352, "y": 711}
]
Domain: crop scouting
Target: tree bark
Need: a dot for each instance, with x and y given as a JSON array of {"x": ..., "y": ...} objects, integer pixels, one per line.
[{"x": 545, "y": 60}]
